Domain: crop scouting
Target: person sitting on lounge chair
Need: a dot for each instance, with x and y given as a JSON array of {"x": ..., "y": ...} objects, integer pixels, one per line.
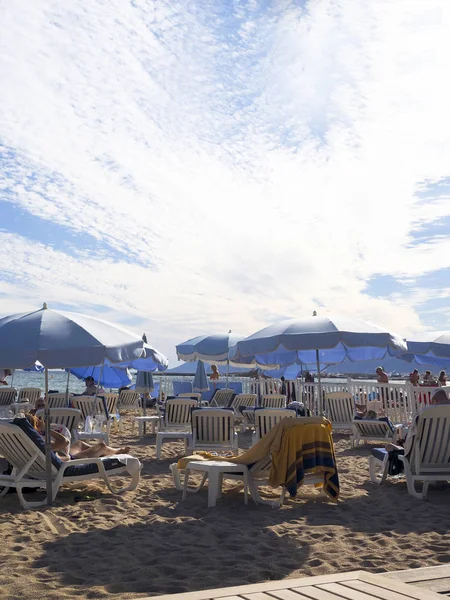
[
  {"x": 439, "y": 397},
  {"x": 61, "y": 443}
]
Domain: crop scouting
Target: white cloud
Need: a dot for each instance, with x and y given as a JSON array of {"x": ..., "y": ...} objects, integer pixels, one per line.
[{"x": 244, "y": 165}]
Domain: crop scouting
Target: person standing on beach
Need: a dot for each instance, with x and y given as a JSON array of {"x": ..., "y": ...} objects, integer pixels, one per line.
[
  {"x": 414, "y": 377},
  {"x": 442, "y": 379},
  {"x": 382, "y": 377},
  {"x": 214, "y": 373}
]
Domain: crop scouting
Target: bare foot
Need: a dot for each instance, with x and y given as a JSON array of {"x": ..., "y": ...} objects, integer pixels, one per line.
[{"x": 125, "y": 450}]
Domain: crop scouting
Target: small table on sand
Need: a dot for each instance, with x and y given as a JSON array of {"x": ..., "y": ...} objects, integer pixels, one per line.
[
  {"x": 153, "y": 420},
  {"x": 215, "y": 470}
]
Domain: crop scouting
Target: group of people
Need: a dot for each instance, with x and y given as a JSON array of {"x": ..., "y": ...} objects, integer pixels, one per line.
[{"x": 428, "y": 378}]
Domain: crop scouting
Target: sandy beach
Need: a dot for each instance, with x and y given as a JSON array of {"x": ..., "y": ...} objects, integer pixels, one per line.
[{"x": 91, "y": 544}]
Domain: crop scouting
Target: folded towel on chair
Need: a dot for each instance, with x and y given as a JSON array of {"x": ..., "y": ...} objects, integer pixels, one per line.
[{"x": 297, "y": 446}]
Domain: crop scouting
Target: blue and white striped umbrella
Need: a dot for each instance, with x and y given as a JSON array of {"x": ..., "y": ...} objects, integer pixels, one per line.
[
  {"x": 209, "y": 348},
  {"x": 324, "y": 340},
  {"x": 431, "y": 346}
]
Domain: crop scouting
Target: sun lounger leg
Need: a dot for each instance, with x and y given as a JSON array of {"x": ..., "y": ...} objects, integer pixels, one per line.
[
  {"x": 214, "y": 491},
  {"x": 410, "y": 481},
  {"x": 373, "y": 464}
]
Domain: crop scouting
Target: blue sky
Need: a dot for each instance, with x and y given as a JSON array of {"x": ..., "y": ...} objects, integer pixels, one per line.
[{"x": 185, "y": 168}]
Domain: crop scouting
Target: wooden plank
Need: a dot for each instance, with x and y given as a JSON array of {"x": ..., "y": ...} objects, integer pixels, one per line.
[
  {"x": 440, "y": 586},
  {"x": 257, "y": 596},
  {"x": 342, "y": 591},
  {"x": 314, "y": 593},
  {"x": 368, "y": 588},
  {"x": 291, "y": 595},
  {"x": 253, "y": 588},
  {"x": 408, "y": 590},
  {"x": 424, "y": 574}
]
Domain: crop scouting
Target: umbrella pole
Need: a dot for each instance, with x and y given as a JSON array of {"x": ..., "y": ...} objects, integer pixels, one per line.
[
  {"x": 228, "y": 372},
  {"x": 144, "y": 411},
  {"x": 48, "y": 449},
  {"x": 320, "y": 404},
  {"x": 67, "y": 387},
  {"x": 12, "y": 376}
]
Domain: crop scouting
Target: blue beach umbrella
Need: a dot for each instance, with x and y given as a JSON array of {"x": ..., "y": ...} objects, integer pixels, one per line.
[
  {"x": 431, "y": 346},
  {"x": 200, "y": 383},
  {"x": 213, "y": 348},
  {"x": 209, "y": 348},
  {"x": 106, "y": 376},
  {"x": 36, "y": 368},
  {"x": 144, "y": 382},
  {"x": 324, "y": 340}
]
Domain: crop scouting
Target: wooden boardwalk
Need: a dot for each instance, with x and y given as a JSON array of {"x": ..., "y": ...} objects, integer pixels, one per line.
[
  {"x": 433, "y": 579},
  {"x": 356, "y": 585}
]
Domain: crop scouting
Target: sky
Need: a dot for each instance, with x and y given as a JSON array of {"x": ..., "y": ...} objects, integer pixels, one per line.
[{"x": 186, "y": 167}]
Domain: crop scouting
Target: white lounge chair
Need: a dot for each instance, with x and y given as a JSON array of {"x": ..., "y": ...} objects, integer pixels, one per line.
[
  {"x": 373, "y": 430},
  {"x": 213, "y": 429},
  {"x": 129, "y": 401},
  {"x": 240, "y": 400},
  {"x": 195, "y": 395},
  {"x": 176, "y": 422},
  {"x": 87, "y": 405},
  {"x": 340, "y": 410},
  {"x": 59, "y": 400},
  {"x": 7, "y": 396},
  {"x": 266, "y": 418},
  {"x": 69, "y": 417},
  {"x": 32, "y": 394},
  {"x": 273, "y": 401},
  {"x": 112, "y": 412},
  {"x": 429, "y": 458},
  {"x": 24, "y": 449},
  {"x": 222, "y": 398}
]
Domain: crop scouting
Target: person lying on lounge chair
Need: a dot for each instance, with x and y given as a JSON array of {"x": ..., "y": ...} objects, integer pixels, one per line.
[
  {"x": 61, "y": 443},
  {"x": 439, "y": 397}
]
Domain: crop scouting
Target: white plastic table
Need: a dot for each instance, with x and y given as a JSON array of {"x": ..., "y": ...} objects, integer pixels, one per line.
[
  {"x": 153, "y": 420},
  {"x": 215, "y": 470}
]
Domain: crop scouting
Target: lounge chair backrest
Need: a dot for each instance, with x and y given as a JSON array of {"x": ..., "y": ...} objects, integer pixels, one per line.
[
  {"x": 7, "y": 396},
  {"x": 372, "y": 429},
  {"x": 32, "y": 393},
  {"x": 87, "y": 405},
  {"x": 239, "y": 400},
  {"x": 69, "y": 417},
  {"x": 195, "y": 395},
  {"x": 58, "y": 400},
  {"x": 431, "y": 448},
  {"x": 178, "y": 412},
  {"x": 111, "y": 401},
  {"x": 339, "y": 408},
  {"x": 273, "y": 401},
  {"x": 222, "y": 398},
  {"x": 212, "y": 427},
  {"x": 266, "y": 418},
  {"x": 19, "y": 450},
  {"x": 129, "y": 400}
]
